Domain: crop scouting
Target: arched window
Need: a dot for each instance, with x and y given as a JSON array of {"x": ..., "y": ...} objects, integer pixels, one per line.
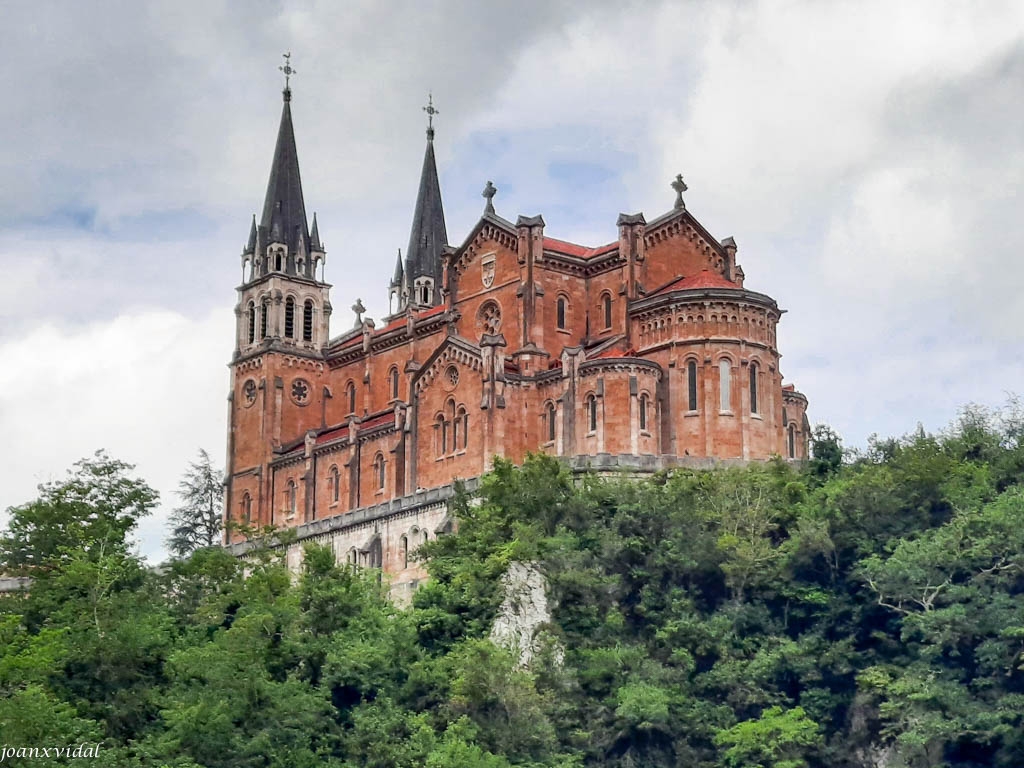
[
  {"x": 724, "y": 385},
  {"x": 278, "y": 258},
  {"x": 393, "y": 377},
  {"x": 591, "y": 413},
  {"x": 691, "y": 384},
  {"x": 246, "y": 507},
  {"x": 560, "y": 311},
  {"x": 792, "y": 441},
  {"x": 335, "y": 476},
  {"x": 307, "y": 321},
  {"x": 350, "y": 396},
  {"x": 352, "y": 558},
  {"x": 450, "y": 427},
  {"x": 753, "y": 387},
  {"x": 289, "y": 318},
  {"x": 440, "y": 436},
  {"x": 426, "y": 536},
  {"x": 551, "y": 415},
  {"x": 252, "y": 322},
  {"x": 403, "y": 551},
  {"x": 264, "y": 317},
  {"x": 378, "y": 471},
  {"x": 643, "y": 413},
  {"x": 291, "y": 493},
  {"x": 606, "y": 301},
  {"x": 463, "y": 417},
  {"x": 424, "y": 290}
]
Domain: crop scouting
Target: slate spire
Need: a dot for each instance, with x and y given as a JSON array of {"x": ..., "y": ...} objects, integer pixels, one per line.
[
  {"x": 396, "y": 279},
  {"x": 428, "y": 236},
  {"x": 314, "y": 237},
  {"x": 250, "y": 246},
  {"x": 284, "y": 211}
]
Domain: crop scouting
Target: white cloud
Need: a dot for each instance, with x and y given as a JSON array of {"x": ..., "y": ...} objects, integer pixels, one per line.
[
  {"x": 866, "y": 156},
  {"x": 147, "y": 387}
]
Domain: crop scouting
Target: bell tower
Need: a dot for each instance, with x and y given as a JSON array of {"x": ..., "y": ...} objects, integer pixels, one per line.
[
  {"x": 282, "y": 301},
  {"x": 282, "y": 326}
]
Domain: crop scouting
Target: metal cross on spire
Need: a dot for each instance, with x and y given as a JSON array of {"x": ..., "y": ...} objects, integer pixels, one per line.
[
  {"x": 429, "y": 109},
  {"x": 287, "y": 69}
]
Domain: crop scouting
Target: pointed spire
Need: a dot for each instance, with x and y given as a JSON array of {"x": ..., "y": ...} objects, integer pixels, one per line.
[
  {"x": 250, "y": 247},
  {"x": 396, "y": 280},
  {"x": 284, "y": 211},
  {"x": 428, "y": 235},
  {"x": 314, "y": 236}
]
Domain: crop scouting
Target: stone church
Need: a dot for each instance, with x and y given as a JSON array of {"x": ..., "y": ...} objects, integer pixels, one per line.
[{"x": 646, "y": 352}]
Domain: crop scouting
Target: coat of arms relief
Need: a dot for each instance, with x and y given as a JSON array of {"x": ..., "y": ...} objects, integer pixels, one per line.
[{"x": 487, "y": 269}]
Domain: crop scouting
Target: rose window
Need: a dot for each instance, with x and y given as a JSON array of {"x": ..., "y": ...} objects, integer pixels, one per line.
[
  {"x": 490, "y": 318},
  {"x": 451, "y": 376},
  {"x": 300, "y": 391}
]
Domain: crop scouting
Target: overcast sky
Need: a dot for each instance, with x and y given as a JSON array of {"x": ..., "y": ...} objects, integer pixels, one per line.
[{"x": 866, "y": 156}]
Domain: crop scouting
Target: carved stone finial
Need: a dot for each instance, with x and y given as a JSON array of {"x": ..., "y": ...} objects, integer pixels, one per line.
[
  {"x": 679, "y": 186},
  {"x": 489, "y": 192},
  {"x": 359, "y": 309}
]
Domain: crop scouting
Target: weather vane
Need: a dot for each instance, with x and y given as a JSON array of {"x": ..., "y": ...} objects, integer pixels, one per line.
[
  {"x": 429, "y": 109},
  {"x": 287, "y": 68}
]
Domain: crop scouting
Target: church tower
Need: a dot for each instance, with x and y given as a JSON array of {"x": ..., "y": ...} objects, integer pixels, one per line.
[
  {"x": 282, "y": 327},
  {"x": 420, "y": 278},
  {"x": 283, "y": 302}
]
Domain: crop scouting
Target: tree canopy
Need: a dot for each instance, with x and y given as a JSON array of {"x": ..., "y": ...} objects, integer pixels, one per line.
[{"x": 861, "y": 611}]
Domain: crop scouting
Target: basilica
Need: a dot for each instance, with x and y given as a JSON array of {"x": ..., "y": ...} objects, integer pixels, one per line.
[{"x": 642, "y": 353}]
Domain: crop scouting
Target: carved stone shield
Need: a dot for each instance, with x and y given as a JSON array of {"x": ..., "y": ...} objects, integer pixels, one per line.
[{"x": 487, "y": 270}]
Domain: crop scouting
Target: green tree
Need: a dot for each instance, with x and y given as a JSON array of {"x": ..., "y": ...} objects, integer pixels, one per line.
[
  {"x": 94, "y": 509},
  {"x": 777, "y": 739},
  {"x": 197, "y": 522}
]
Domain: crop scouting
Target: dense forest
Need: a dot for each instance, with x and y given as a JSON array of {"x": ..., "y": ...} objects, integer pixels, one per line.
[{"x": 866, "y": 609}]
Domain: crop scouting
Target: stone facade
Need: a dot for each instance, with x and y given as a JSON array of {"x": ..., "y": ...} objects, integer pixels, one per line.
[{"x": 650, "y": 346}]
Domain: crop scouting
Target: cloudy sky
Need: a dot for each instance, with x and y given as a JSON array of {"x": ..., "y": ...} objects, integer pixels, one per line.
[{"x": 866, "y": 156}]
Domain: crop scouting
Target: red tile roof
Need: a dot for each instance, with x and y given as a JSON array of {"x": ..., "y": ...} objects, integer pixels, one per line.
[
  {"x": 333, "y": 434},
  {"x": 392, "y": 325},
  {"x": 431, "y": 312},
  {"x": 789, "y": 388},
  {"x": 579, "y": 251},
  {"x": 703, "y": 279},
  {"x": 615, "y": 353}
]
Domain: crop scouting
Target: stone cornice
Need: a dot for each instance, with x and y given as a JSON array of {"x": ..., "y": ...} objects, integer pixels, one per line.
[
  {"x": 573, "y": 265},
  {"x": 681, "y": 221},
  {"x": 454, "y": 349},
  {"x": 265, "y": 278},
  {"x": 268, "y": 346},
  {"x": 619, "y": 364},
  {"x": 690, "y": 295},
  {"x": 490, "y": 228},
  {"x": 422, "y": 328}
]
